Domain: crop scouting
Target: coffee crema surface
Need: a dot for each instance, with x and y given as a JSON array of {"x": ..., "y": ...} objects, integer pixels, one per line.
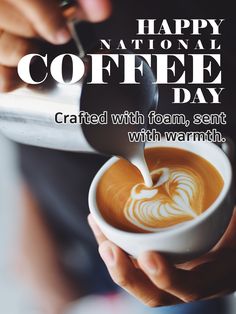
[{"x": 184, "y": 186}]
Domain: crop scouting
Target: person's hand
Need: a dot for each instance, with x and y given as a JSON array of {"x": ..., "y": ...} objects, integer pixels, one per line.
[
  {"x": 157, "y": 282},
  {"x": 21, "y": 21}
]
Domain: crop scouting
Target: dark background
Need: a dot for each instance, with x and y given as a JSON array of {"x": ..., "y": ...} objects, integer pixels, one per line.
[{"x": 123, "y": 25}]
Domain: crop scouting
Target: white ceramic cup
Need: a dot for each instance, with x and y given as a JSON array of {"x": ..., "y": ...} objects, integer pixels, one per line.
[{"x": 186, "y": 241}]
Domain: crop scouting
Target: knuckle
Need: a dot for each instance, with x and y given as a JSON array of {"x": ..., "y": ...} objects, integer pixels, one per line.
[
  {"x": 52, "y": 22},
  {"x": 153, "y": 302},
  {"x": 123, "y": 280},
  {"x": 13, "y": 48},
  {"x": 23, "y": 49},
  {"x": 159, "y": 299},
  {"x": 124, "y": 277},
  {"x": 5, "y": 86},
  {"x": 192, "y": 297},
  {"x": 8, "y": 79},
  {"x": 29, "y": 31},
  {"x": 5, "y": 73},
  {"x": 168, "y": 282}
]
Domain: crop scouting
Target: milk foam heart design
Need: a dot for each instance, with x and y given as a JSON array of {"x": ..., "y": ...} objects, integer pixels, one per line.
[{"x": 176, "y": 197}]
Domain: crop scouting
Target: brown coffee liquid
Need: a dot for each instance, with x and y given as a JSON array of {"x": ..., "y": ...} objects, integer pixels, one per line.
[{"x": 184, "y": 186}]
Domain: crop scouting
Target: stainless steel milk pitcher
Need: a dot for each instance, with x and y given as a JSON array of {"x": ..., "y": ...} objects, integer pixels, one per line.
[{"x": 27, "y": 115}]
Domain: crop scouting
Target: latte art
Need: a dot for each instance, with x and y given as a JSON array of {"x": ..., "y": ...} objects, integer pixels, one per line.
[
  {"x": 177, "y": 195},
  {"x": 184, "y": 186}
]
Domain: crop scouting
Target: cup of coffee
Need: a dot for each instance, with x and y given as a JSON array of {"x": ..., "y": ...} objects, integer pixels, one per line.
[{"x": 184, "y": 213}]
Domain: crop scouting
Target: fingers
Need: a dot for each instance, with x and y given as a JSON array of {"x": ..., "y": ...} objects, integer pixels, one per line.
[
  {"x": 132, "y": 279},
  {"x": 100, "y": 237},
  {"x": 96, "y": 10},
  {"x": 12, "y": 21},
  {"x": 218, "y": 275},
  {"x": 10, "y": 57},
  {"x": 46, "y": 18},
  {"x": 165, "y": 276},
  {"x": 126, "y": 275},
  {"x": 31, "y": 18},
  {"x": 206, "y": 277},
  {"x": 200, "y": 282},
  {"x": 9, "y": 79}
]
